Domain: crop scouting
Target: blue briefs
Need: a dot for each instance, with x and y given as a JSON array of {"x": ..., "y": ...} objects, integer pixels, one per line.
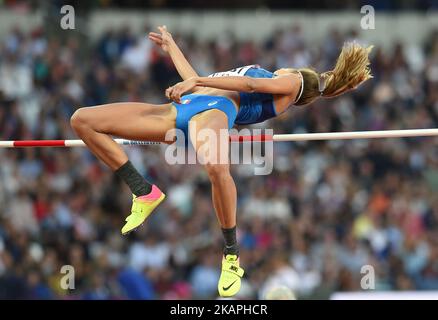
[{"x": 192, "y": 104}]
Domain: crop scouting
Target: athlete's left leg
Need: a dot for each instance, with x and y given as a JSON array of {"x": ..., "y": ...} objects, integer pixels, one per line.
[
  {"x": 140, "y": 121},
  {"x": 224, "y": 192}
]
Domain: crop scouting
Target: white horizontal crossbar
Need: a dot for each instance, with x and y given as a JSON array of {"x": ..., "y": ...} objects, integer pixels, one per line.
[{"x": 249, "y": 138}]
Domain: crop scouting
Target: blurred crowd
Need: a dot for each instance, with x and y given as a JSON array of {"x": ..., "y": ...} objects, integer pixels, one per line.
[
  {"x": 328, "y": 209},
  {"x": 322, "y": 5}
]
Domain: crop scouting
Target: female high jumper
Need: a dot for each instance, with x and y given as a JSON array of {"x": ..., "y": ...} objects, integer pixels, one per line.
[{"x": 243, "y": 95}]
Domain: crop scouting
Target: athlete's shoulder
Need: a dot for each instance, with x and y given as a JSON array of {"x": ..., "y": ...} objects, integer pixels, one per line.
[
  {"x": 239, "y": 71},
  {"x": 256, "y": 71}
]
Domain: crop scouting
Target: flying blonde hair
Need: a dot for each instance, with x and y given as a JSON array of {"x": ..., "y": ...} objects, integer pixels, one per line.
[{"x": 351, "y": 70}]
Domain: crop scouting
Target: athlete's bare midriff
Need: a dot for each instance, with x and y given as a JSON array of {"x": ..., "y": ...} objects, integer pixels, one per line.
[
  {"x": 232, "y": 95},
  {"x": 169, "y": 109}
]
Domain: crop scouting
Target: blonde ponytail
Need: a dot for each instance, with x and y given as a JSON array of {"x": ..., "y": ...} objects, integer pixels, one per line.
[{"x": 351, "y": 70}]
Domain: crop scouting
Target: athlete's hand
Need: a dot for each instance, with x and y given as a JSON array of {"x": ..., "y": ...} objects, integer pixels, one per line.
[
  {"x": 175, "y": 92},
  {"x": 163, "y": 39}
]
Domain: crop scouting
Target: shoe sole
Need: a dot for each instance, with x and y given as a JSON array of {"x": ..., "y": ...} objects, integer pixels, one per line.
[{"x": 160, "y": 199}]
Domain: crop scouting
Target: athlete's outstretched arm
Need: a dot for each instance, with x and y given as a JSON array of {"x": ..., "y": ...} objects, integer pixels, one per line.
[
  {"x": 285, "y": 84},
  {"x": 166, "y": 42}
]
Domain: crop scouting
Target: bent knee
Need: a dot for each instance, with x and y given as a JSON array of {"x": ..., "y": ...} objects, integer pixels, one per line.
[
  {"x": 217, "y": 171},
  {"x": 80, "y": 118}
]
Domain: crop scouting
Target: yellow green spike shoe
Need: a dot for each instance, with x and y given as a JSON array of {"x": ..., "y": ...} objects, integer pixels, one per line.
[
  {"x": 142, "y": 207},
  {"x": 231, "y": 275}
]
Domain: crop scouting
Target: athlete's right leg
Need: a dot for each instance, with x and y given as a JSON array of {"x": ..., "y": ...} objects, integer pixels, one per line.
[
  {"x": 139, "y": 121},
  {"x": 223, "y": 191}
]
